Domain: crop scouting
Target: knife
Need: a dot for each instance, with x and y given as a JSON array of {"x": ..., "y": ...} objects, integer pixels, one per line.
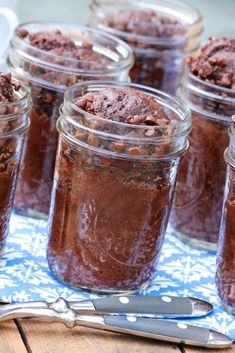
[
  {"x": 166, "y": 330},
  {"x": 150, "y": 306}
]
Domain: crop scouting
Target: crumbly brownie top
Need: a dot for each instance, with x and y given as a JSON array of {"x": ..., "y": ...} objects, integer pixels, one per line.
[
  {"x": 57, "y": 43},
  {"x": 216, "y": 62},
  {"x": 145, "y": 23},
  {"x": 7, "y": 88},
  {"x": 126, "y": 105}
]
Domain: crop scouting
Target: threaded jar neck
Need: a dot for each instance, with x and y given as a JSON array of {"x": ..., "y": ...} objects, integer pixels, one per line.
[{"x": 76, "y": 125}]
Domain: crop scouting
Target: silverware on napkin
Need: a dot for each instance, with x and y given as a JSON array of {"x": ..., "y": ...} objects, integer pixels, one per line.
[{"x": 85, "y": 313}]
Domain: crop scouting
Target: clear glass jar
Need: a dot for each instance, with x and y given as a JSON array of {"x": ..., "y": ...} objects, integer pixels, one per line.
[
  {"x": 48, "y": 75},
  {"x": 159, "y": 48},
  {"x": 14, "y": 123},
  {"x": 225, "y": 273},
  {"x": 112, "y": 193},
  {"x": 198, "y": 201}
]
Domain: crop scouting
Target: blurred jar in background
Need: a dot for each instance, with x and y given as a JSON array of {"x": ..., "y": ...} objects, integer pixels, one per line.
[
  {"x": 161, "y": 34},
  {"x": 208, "y": 89},
  {"x": 15, "y": 103},
  {"x": 225, "y": 273},
  {"x": 51, "y": 57}
]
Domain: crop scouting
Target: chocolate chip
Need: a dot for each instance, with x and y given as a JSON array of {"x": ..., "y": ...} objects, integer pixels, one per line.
[
  {"x": 92, "y": 139},
  {"x": 150, "y": 120},
  {"x": 106, "y": 162},
  {"x": 134, "y": 120},
  {"x": 89, "y": 97},
  {"x": 89, "y": 106},
  {"x": 81, "y": 102},
  {"x": 22, "y": 32},
  {"x": 134, "y": 151},
  {"x": 119, "y": 146}
]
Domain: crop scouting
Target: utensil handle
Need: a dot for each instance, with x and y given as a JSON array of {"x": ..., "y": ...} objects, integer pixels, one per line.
[
  {"x": 162, "y": 305},
  {"x": 167, "y": 330},
  {"x": 155, "y": 328}
]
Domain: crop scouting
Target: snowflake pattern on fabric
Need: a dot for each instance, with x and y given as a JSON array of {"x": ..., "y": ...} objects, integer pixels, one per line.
[{"x": 183, "y": 271}]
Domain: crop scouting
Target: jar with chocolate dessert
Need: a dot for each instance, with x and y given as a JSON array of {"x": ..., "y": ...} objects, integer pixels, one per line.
[
  {"x": 161, "y": 34},
  {"x": 225, "y": 274},
  {"x": 51, "y": 57},
  {"x": 14, "y": 122},
  {"x": 119, "y": 149},
  {"x": 208, "y": 87}
]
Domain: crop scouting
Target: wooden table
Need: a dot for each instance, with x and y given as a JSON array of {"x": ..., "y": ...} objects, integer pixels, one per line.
[{"x": 30, "y": 336}]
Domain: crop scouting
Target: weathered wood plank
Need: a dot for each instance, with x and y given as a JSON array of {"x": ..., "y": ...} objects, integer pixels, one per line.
[
  {"x": 10, "y": 339},
  {"x": 201, "y": 350},
  {"x": 53, "y": 338}
]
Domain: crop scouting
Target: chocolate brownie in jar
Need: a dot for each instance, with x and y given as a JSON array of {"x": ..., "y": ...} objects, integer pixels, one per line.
[
  {"x": 51, "y": 57},
  {"x": 114, "y": 180},
  {"x": 208, "y": 87},
  {"x": 159, "y": 38},
  {"x": 14, "y": 121},
  {"x": 225, "y": 271}
]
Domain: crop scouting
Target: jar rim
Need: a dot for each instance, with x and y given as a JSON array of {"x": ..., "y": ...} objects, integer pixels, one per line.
[
  {"x": 74, "y": 119},
  {"x": 160, "y": 96},
  {"x": 207, "y": 88},
  {"x": 152, "y": 5},
  {"x": 126, "y": 61},
  {"x": 219, "y": 101}
]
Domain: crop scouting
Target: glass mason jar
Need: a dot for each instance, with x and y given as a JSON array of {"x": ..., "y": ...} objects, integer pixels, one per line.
[
  {"x": 112, "y": 193},
  {"x": 159, "y": 47},
  {"x": 14, "y": 122},
  {"x": 198, "y": 200},
  {"x": 225, "y": 274},
  {"x": 48, "y": 75}
]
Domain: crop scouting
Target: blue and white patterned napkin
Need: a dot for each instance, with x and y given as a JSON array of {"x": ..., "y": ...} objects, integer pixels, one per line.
[{"x": 183, "y": 271}]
